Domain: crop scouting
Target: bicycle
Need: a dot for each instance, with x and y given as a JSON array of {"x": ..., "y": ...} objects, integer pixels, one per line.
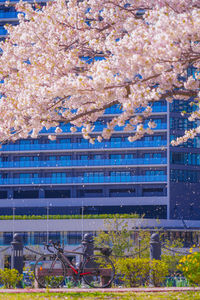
[{"x": 52, "y": 269}]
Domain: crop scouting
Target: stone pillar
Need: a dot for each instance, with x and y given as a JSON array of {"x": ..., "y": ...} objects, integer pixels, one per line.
[
  {"x": 155, "y": 247},
  {"x": 17, "y": 254},
  {"x": 155, "y": 253}
]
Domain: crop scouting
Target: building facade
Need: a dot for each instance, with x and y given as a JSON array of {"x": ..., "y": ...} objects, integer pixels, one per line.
[
  {"x": 65, "y": 175},
  {"x": 71, "y": 176}
]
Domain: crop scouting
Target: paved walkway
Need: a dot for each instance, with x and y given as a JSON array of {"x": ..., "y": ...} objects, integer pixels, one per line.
[{"x": 113, "y": 290}]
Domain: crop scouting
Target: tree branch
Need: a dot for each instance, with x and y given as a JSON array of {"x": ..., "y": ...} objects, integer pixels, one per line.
[{"x": 83, "y": 114}]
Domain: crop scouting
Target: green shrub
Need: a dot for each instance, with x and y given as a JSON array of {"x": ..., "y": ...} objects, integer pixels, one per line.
[
  {"x": 28, "y": 277},
  {"x": 136, "y": 271},
  {"x": 172, "y": 261},
  {"x": 115, "y": 235},
  {"x": 10, "y": 278},
  {"x": 159, "y": 271},
  {"x": 57, "y": 217},
  {"x": 189, "y": 265}
]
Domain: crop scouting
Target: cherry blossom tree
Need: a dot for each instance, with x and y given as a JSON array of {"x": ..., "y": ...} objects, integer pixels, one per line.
[{"x": 68, "y": 61}]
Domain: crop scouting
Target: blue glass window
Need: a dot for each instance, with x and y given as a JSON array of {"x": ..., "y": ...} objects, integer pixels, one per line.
[
  {"x": 157, "y": 138},
  {"x": 59, "y": 174},
  {"x": 118, "y": 173},
  {"x": 97, "y": 156},
  {"x": 65, "y": 157},
  {"x": 27, "y": 175},
  {"x": 185, "y": 158},
  {"x": 129, "y": 156},
  {"x": 63, "y": 141},
  {"x": 157, "y": 155},
  {"x": 83, "y": 157},
  {"x": 178, "y": 175},
  {"x": 74, "y": 238},
  {"x": 115, "y": 156},
  {"x": 92, "y": 174},
  {"x": 27, "y": 158},
  {"x": 25, "y": 142},
  {"x": 40, "y": 237},
  {"x": 52, "y": 157},
  {"x": 7, "y": 238},
  {"x": 115, "y": 139},
  {"x": 154, "y": 172}
]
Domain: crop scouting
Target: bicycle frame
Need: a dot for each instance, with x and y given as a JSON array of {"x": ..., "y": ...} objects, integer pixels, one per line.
[
  {"x": 96, "y": 270},
  {"x": 66, "y": 261}
]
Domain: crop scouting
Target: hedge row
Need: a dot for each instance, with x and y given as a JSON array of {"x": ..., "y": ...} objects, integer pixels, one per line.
[{"x": 56, "y": 217}]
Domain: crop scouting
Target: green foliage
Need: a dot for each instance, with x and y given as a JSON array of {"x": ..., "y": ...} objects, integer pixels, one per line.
[
  {"x": 172, "y": 261},
  {"x": 170, "y": 243},
  {"x": 10, "y": 278},
  {"x": 57, "y": 217},
  {"x": 28, "y": 277},
  {"x": 93, "y": 295},
  {"x": 117, "y": 235},
  {"x": 159, "y": 271},
  {"x": 177, "y": 281},
  {"x": 171, "y": 258},
  {"x": 134, "y": 242},
  {"x": 69, "y": 284},
  {"x": 142, "y": 246},
  {"x": 136, "y": 271},
  {"x": 52, "y": 281},
  {"x": 189, "y": 265}
]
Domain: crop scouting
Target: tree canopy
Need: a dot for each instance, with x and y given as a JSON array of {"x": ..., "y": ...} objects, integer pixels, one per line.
[{"x": 68, "y": 61}]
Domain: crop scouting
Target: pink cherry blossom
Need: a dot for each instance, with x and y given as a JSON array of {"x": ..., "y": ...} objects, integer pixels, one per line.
[{"x": 71, "y": 60}]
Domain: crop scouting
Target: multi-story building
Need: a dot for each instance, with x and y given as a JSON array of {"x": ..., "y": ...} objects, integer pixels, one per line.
[
  {"x": 114, "y": 176},
  {"x": 72, "y": 176}
]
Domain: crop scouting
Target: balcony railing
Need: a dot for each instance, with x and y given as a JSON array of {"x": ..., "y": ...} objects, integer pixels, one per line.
[
  {"x": 83, "y": 163},
  {"x": 84, "y": 179},
  {"x": 83, "y": 145},
  {"x": 98, "y": 128},
  {"x": 8, "y": 14}
]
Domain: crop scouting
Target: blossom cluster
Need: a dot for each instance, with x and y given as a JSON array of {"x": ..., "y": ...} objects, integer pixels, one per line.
[{"x": 71, "y": 60}]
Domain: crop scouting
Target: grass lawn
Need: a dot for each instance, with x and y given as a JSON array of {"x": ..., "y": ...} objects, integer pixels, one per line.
[{"x": 107, "y": 296}]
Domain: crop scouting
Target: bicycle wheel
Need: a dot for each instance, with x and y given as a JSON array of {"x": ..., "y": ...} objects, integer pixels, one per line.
[
  {"x": 98, "y": 271},
  {"x": 49, "y": 271}
]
